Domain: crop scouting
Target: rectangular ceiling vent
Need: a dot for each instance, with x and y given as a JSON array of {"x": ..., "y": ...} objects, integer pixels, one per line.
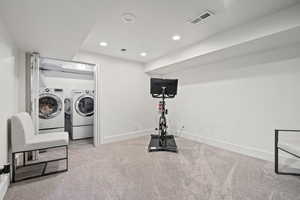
[{"x": 202, "y": 17}]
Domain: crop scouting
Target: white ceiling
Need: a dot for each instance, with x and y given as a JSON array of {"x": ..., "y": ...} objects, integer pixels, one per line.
[
  {"x": 55, "y": 28},
  {"x": 269, "y": 32},
  {"x": 157, "y": 21},
  {"x": 60, "y": 28}
]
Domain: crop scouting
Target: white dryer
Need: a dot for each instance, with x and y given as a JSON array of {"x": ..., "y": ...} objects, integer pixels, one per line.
[
  {"x": 82, "y": 114},
  {"x": 51, "y": 110}
]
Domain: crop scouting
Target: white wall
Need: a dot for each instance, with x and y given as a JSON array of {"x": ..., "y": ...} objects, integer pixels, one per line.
[
  {"x": 21, "y": 101},
  {"x": 8, "y": 82},
  {"x": 126, "y": 107},
  {"x": 8, "y": 100},
  {"x": 238, "y": 108},
  {"x": 68, "y": 84}
]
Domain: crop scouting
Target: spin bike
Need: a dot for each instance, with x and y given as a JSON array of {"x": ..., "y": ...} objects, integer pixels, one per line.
[{"x": 164, "y": 89}]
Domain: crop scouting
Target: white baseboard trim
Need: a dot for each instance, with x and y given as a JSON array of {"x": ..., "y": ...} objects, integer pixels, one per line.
[
  {"x": 4, "y": 183},
  {"x": 249, "y": 151},
  {"x": 127, "y": 136},
  {"x": 245, "y": 150}
]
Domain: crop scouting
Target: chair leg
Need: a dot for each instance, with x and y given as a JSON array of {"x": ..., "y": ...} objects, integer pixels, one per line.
[
  {"x": 276, "y": 152},
  {"x": 24, "y": 159},
  {"x": 13, "y": 168},
  {"x": 67, "y": 156}
]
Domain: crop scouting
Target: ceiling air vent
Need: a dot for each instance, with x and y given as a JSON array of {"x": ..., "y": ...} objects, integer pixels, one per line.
[{"x": 202, "y": 17}]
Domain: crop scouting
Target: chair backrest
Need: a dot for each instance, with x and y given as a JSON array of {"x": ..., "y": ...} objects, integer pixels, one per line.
[{"x": 22, "y": 130}]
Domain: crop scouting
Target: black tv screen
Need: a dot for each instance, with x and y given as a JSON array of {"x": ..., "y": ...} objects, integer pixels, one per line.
[{"x": 158, "y": 84}]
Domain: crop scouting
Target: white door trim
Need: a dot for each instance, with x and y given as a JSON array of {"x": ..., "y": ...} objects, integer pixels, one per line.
[{"x": 98, "y": 136}]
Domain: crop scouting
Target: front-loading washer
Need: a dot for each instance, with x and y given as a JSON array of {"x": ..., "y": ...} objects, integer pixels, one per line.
[
  {"x": 51, "y": 110},
  {"x": 82, "y": 115}
]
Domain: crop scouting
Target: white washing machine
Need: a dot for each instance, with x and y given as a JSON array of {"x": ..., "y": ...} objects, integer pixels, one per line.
[
  {"x": 82, "y": 114},
  {"x": 51, "y": 110}
]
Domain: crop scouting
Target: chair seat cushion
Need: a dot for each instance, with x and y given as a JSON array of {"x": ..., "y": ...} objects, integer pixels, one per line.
[
  {"x": 46, "y": 140},
  {"x": 293, "y": 148}
]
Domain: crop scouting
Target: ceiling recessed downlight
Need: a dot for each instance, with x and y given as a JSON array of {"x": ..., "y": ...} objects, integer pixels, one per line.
[
  {"x": 176, "y": 37},
  {"x": 103, "y": 44},
  {"x": 128, "y": 18},
  {"x": 143, "y": 54}
]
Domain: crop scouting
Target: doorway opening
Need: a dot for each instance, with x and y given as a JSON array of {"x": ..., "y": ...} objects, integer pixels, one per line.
[{"x": 64, "y": 99}]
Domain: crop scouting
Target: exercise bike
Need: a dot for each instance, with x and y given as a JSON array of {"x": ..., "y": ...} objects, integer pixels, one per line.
[{"x": 163, "y": 89}]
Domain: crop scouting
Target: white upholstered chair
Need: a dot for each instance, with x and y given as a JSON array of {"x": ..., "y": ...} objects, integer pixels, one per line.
[
  {"x": 24, "y": 139},
  {"x": 289, "y": 145}
]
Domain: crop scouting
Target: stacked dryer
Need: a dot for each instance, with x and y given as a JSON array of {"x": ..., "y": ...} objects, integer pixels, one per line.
[
  {"x": 82, "y": 114},
  {"x": 51, "y": 110}
]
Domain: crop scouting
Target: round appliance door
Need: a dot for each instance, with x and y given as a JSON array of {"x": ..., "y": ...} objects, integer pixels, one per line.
[
  {"x": 85, "y": 105},
  {"x": 50, "y": 106}
]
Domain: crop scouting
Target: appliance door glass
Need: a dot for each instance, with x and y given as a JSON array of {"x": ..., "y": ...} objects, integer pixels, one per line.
[
  {"x": 49, "y": 106},
  {"x": 85, "y": 106}
]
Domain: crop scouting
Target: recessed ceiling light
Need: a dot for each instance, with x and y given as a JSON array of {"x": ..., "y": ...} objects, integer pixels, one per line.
[
  {"x": 128, "y": 18},
  {"x": 143, "y": 54},
  {"x": 176, "y": 37},
  {"x": 103, "y": 44}
]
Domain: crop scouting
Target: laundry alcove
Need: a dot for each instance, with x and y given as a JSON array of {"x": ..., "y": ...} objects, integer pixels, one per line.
[{"x": 61, "y": 95}]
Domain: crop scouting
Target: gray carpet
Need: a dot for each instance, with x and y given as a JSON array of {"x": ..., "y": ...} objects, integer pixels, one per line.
[{"x": 126, "y": 171}]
